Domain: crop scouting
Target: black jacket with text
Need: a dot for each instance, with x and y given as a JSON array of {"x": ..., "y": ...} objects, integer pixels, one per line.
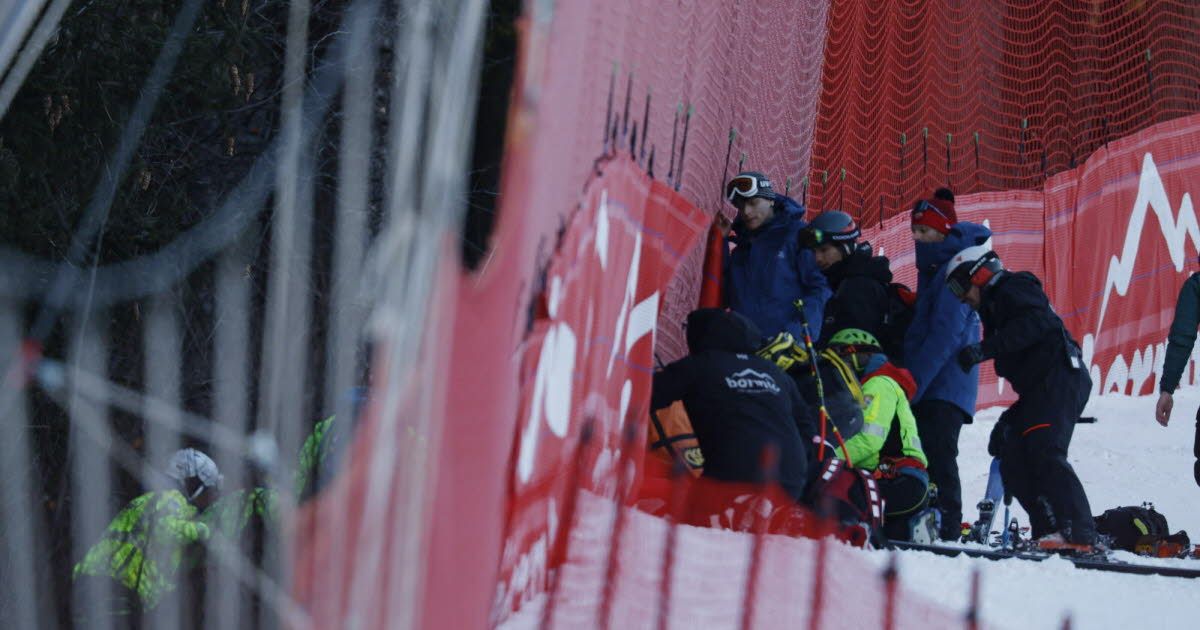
[{"x": 738, "y": 403}]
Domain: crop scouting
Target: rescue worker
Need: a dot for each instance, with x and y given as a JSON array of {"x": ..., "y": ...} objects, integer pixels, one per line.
[
  {"x": 888, "y": 445},
  {"x": 739, "y": 404},
  {"x": 146, "y": 543}
]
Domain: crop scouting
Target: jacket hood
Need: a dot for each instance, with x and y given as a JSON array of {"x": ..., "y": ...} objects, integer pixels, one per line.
[
  {"x": 964, "y": 234},
  {"x": 898, "y": 374},
  {"x": 719, "y": 329},
  {"x": 861, "y": 262}
]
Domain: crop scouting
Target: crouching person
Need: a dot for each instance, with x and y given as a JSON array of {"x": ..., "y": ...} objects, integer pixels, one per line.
[
  {"x": 739, "y": 404},
  {"x": 888, "y": 445},
  {"x": 148, "y": 541},
  {"x": 1034, "y": 352}
]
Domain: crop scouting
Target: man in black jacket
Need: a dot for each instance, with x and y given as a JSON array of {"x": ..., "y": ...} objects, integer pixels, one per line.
[
  {"x": 859, "y": 279},
  {"x": 1034, "y": 352},
  {"x": 738, "y": 403}
]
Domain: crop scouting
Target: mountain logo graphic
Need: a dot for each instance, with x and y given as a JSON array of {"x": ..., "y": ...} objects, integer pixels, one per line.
[
  {"x": 749, "y": 381},
  {"x": 1178, "y": 229}
]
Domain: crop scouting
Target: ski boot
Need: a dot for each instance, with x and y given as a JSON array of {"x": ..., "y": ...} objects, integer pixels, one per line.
[
  {"x": 924, "y": 527},
  {"x": 1057, "y": 543}
]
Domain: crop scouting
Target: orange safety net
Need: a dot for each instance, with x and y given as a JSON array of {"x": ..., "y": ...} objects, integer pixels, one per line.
[{"x": 989, "y": 96}]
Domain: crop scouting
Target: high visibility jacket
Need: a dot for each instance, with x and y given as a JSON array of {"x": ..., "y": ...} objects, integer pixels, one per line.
[
  {"x": 886, "y": 410},
  {"x": 233, "y": 512},
  {"x": 312, "y": 455},
  {"x": 144, "y": 545}
]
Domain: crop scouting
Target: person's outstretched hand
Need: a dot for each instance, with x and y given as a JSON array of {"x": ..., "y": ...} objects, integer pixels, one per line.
[{"x": 1162, "y": 411}]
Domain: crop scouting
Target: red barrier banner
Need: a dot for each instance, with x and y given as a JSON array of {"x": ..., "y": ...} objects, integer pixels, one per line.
[
  {"x": 589, "y": 359},
  {"x": 1121, "y": 237},
  {"x": 1113, "y": 240}
]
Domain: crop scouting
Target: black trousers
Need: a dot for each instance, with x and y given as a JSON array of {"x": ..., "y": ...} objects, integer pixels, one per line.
[
  {"x": 1196, "y": 449},
  {"x": 938, "y": 424},
  {"x": 1034, "y": 460},
  {"x": 905, "y": 496}
]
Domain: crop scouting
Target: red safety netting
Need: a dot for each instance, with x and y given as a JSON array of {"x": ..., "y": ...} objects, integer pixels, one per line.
[
  {"x": 551, "y": 335},
  {"x": 989, "y": 95},
  {"x": 1113, "y": 240},
  {"x": 675, "y": 83}
]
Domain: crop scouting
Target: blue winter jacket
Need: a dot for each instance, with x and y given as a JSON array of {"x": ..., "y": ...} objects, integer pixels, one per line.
[
  {"x": 942, "y": 325},
  {"x": 768, "y": 270}
]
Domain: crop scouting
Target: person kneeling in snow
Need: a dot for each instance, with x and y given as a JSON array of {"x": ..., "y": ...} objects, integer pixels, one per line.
[
  {"x": 146, "y": 543},
  {"x": 1034, "y": 352},
  {"x": 888, "y": 445},
  {"x": 739, "y": 404}
]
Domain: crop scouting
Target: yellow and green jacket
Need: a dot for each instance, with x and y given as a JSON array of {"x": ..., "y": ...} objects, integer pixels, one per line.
[
  {"x": 233, "y": 512},
  {"x": 312, "y": 456},
  {"x": 886, "y": 392},
  {"x": 145, "y": 544}
]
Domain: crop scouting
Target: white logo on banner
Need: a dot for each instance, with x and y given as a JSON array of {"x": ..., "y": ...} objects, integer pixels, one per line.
[
  {"x": 1177, "y": 231},
  {"x": 552, "y": 389}
]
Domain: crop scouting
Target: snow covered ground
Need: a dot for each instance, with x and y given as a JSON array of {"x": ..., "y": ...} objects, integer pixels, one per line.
[{"x": 1124, "y": 459}]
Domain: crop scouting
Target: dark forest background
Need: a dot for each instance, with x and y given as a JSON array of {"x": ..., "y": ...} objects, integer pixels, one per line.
[{"x": 218, "y": 113}]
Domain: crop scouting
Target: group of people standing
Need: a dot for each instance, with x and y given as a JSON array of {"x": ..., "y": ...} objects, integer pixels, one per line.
[{"x": 802, "y": 293}]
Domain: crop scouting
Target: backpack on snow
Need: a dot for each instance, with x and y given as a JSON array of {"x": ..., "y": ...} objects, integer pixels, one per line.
[
  {"x": 1140, "y": 529},
  {"x": 901, "y": 304},
  {"x": 851, "y": 497}
]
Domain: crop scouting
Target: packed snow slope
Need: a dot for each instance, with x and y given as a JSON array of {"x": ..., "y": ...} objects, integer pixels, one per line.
[{"x": 1124, "y": 459}]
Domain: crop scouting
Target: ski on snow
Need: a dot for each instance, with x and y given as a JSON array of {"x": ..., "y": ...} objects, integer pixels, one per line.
[{"x": 1098, "y": 562}]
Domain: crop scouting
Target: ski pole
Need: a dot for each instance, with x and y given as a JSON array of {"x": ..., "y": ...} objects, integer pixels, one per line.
[
  {"x": 823, "y": 411},
  {"x": 1005, "y": 532}
]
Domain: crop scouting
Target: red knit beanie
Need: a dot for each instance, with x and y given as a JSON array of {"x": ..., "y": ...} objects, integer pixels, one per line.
[{"x": 936, "y": 212}]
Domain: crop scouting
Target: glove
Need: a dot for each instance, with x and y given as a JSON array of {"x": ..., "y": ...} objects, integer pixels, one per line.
[
  {"x": 970, "y": 355},
  {"x": 783, "y": 351},
  {"x": 998, "y": 439}
]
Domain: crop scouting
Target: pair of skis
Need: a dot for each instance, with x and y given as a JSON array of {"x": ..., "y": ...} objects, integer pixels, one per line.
[
  {"x": 1098, "y": 562},
  {"x": 1005, "y": 543}
]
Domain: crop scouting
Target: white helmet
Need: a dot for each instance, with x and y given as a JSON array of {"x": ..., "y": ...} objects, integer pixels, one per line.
[
  {"x": 977, "y": 266},
  {"x": 189, "y": 463}
]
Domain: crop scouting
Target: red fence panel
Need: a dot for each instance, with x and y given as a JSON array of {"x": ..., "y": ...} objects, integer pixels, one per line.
[{"x": 1113, "y": 240}]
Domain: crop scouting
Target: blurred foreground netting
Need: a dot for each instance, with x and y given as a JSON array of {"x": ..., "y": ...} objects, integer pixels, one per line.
[{"x": 210, "y": 213}]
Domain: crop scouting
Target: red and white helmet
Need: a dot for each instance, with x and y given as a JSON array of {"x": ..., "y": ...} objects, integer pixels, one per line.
[{"x": 974, "y": 266}]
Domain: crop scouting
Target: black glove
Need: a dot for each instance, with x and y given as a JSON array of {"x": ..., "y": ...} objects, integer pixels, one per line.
[
  {"x": 998, "y": 439},
  {"x": 970, "y": 355}
]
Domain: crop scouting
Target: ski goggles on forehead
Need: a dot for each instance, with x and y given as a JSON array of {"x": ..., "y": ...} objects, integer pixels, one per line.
[
  {"x": 924, "y": 206},
  {"x": 811, "y": 237},
  {"x": 744, "y": 186}
]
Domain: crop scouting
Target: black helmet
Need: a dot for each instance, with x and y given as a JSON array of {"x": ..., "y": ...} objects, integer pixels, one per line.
[
  {"x": 831, "y": 226},
  {"x": 974, "y": 266},
  {"x": 748, "y": 185}
]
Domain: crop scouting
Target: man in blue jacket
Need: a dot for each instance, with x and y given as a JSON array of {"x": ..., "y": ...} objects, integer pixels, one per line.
[
  {"x": 941, "y": 326},
  {"x": 768, "y": 270}
]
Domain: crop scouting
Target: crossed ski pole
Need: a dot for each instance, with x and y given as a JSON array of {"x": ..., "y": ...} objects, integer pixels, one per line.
[{"x": 823, "y": 411}]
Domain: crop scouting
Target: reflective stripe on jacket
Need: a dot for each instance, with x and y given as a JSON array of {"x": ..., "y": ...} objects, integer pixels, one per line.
[
  {"x": 144, "y": 545},
  {"x": 886, "y": 407}
]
